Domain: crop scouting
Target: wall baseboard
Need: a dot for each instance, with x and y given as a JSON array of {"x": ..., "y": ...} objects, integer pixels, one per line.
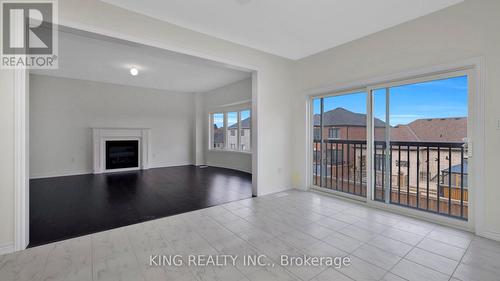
[
  {"x": 6, "y": 249},
  {"x": 63, "y": 174},
  {"x": 489, "y": 234},
  {"x": 79, "y": 173},
  {"x": 156, "y": 166},
  {"x": 228, "y": 167}
]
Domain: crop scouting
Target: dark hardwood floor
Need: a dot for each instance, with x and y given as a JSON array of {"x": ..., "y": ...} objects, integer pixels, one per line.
[{"x": 66, "y": 207}]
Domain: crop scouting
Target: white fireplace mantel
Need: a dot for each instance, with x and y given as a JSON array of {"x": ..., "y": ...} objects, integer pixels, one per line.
[{"x": 101, "y": 135}]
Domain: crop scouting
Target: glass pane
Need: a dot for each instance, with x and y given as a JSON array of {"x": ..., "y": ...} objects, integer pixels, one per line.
[
  {"x": 232, "y": 130},
  {"x": 428, "y": 132},
  {"x": 245, "y": 130},
  {"x": 218, "y": 131},
  {"x": 343, "y": 150}
]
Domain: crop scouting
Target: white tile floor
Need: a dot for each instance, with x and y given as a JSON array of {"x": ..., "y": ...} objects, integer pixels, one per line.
[{"x": 381, "y": 245}]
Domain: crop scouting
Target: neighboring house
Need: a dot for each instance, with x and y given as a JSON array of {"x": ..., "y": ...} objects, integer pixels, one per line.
[
  {"x": 343, "y": 124},
  {"x": 218, "y": 138},
  {"x": 245, "y": 134},
  {"x": 232, "y": 136},
  {"x": 421, "y": 131}
]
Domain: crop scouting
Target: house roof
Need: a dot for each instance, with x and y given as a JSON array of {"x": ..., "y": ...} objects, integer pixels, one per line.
[
  {"x": 432, "y": 130},
  {"x": 245, "y": 124},
  {"x": 423, "y": 130},
  {"x": 343, "y": 117},
  {"x": 457, "y": 169}
]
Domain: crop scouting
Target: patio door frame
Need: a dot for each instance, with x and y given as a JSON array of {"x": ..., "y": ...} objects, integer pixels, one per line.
[{"x": 472, "y": 68}]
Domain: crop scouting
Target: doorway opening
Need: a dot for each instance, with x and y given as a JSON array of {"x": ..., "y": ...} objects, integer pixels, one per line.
[{"x": 138, "y": 177}]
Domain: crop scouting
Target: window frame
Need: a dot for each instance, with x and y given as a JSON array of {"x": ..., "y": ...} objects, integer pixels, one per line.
[
  {"x": 335, "y": 135},
  {"x": 229, "y": 131},
  {"x": 470, "y": 68},
  {"x": 211, "y": 130},
  {"x": 226, "y": 131}
]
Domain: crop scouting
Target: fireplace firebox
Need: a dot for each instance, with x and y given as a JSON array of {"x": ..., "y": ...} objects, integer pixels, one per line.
[{"x": 122, "y": 154}]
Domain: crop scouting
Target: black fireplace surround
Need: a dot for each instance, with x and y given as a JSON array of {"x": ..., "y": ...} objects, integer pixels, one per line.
[{"x": 121, "y": 154}]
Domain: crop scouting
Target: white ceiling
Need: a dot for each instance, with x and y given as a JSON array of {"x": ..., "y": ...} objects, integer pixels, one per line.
[
  {"x": 96, "y": 58},
  {"x": 289, "y": 28}
]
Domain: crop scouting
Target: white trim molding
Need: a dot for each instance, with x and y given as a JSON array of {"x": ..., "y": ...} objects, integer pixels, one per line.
[
  {"x": 101, "y": 135},
  {"x": 21, "y": 164}
]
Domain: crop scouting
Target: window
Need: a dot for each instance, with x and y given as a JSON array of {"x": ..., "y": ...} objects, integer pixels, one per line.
[
  {"x": 245, "y": 128},
  {"x": 218, "y": 139},
  {"x": 231, "y": 131},
  {"x": 232, "y": 127},
  {"x": 339, "y": 138},
  {"x": 317, "y": 133},
  {"x": 333, "y": 133},
  {"x": 417, "y": 150}
]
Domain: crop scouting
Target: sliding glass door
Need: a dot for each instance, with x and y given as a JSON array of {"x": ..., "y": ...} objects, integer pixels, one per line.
[
  {"x": 339, "y": 147},
  {"x": 423, "y": 145},
  {"x": 418, "y": 140}
]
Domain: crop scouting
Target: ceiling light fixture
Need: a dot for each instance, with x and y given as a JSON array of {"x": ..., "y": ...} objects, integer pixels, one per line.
[{"x": 134, "y": 71}]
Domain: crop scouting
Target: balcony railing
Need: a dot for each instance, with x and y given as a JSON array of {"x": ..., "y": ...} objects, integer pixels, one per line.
[
  {"x": 429, "y": 176},
  {"x": 341, "y": 166}
]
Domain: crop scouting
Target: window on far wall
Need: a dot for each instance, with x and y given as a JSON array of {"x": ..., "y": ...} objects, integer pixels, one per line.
[
  {"x": 245, "y": 129},
  {"x": 317, "y": 133},
  {"x": 231, "y": 131},
  {"x": 218, "y": 139},
  {"x": 333, "y": 133},
  {"x": 232, "y": 127}
]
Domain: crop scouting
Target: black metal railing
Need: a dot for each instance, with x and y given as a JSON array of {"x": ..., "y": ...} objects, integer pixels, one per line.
[
  {"x": 429, "y": 176},
  {"x": 340, "y": 165}
]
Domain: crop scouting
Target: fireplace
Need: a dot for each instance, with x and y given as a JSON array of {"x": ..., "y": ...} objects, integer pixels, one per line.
[
  {"x": 122, "y": 154},
  {"x": 121, "y": 149}
]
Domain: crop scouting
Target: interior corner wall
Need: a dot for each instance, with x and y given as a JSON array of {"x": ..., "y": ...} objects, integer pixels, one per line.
[
  {"x": 63, "y": 111},
  {"x": 232, "y": 97},
  {"x": 462, "y": 31},
  {"x": 199, "y": 124}
]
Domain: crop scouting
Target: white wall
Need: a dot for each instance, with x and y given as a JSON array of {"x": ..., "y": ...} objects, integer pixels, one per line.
[
  {"x": 63, "y": 111},
  {"x": 7, "y": 160},
  {"x": 467, "y": 30},
  {"x": 235, "y": 96}
]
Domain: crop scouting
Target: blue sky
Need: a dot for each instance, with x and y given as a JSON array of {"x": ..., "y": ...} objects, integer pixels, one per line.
[
  {"x": 219, "y": 119},
  {"x": 434, "y": 99}
]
